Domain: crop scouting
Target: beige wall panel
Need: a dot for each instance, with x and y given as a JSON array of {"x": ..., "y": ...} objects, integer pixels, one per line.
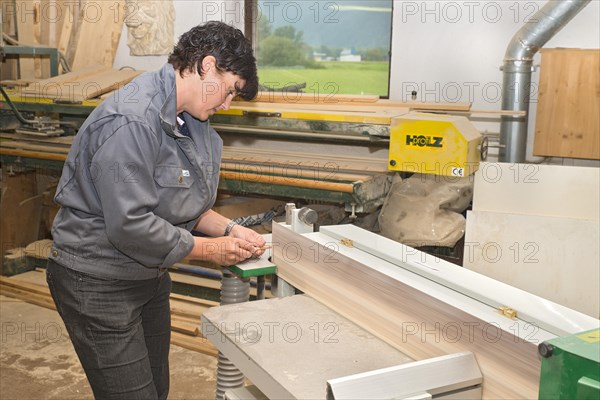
[
  {"x": 554, "y": 258},
  {"x": 551, "y": 190}
]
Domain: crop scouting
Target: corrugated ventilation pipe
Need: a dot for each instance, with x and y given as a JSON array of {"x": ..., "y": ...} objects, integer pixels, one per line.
[{"x": 517, "y": 68}]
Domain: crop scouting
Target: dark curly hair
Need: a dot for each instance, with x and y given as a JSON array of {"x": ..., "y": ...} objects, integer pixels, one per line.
[{"x": 226, "y": 44}]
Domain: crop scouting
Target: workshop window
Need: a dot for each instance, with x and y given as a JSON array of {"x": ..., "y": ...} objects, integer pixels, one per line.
[{"x": 322, "y": 47}]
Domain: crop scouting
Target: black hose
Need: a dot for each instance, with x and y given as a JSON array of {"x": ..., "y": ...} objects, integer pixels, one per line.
[
  {"x": 17, "y": 113},
  {"x": 30, "y": 121}
]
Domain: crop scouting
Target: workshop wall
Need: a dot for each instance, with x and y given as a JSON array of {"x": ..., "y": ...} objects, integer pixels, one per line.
[
  {"x": 448, "y": 51},
  {"x": 187, "y": 15},
  {"x": 451, "y": 51}
]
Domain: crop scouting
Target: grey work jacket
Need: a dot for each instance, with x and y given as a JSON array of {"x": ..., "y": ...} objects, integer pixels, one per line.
[{"x": 133, "y": 187}]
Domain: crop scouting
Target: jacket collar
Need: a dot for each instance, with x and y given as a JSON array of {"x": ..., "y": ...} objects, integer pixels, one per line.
[{"x": 168, "y": 111}]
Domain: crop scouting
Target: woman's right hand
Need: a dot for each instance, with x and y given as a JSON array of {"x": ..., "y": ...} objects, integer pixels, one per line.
[{"x": 223, "y": 251}]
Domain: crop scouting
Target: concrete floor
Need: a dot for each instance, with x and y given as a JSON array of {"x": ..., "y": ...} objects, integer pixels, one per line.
[{"x": 37, "y": 360}]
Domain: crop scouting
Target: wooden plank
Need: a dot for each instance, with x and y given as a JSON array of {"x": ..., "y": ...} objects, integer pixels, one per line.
[
  {"x": 550, "y": 190},
  {"x": 555, "y": 258},
  {"x": 308, "y": 98},
  {"x": 38, "y": 300},
  {"x": 33, "y": 154},
  {"x": 187, "y": 309},
  {"x": 567, "y": 120},
  {"x": 376, "y": 117},
  {"x": 27, "y": 22},
  {"x": 77, "y": 15},
  {"x": 198, "y": 344},
  {"x": 80, "y": 86},
  {"x": 195, "y": 280},
  {"x": 276, "y": 180},
  {"x": 293, "y": 171},
  {"x": 66, "y": 29},
  {"x": 39, "y": 86},
  {"x": 34, "y": 147},
  {"x": 412, "y": 320},
  {"x": 555, "y": 319},
  {"x": 185, "y": 327},
  {"x": 362, "y": 108},
  {"x": 9, "y": 69},
  {"x": 44, "y": 30},
  {"x": 323, "y": 99},
  {"x": 328, "y": 163},
  {"x": 194, "y": 300},
  {"x": 98, "y": 35},
  {"x": 25, "y": 286},
  {"x": 17, "y": 83}
]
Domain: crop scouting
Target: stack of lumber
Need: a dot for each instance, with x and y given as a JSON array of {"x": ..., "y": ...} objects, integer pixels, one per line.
[
  {"x": 87, "y": 32},
  {"x": 284, "y": 167},
  {"x": 311, "y": 170},
  {"x": 185, "y": 310}
]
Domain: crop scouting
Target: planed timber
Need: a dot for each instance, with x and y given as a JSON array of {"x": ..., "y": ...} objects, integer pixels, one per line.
[{"x": 410, "y": 313}]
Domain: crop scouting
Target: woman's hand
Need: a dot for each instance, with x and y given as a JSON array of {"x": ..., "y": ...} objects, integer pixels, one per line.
[
  {"x": 256, "y": 241},
  {"x": 223, "y": 251}
]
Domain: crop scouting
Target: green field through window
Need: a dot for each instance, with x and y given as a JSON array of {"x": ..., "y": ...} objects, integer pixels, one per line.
[
  {"x": 365, "y": 78},
  {"x": 325, "y": 47}
]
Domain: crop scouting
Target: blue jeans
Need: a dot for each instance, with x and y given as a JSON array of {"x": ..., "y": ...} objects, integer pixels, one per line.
[{"x": 121, "y": 331}]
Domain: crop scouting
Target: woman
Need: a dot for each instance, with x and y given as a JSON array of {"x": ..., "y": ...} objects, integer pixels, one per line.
[{"x": 142, "y": 173}]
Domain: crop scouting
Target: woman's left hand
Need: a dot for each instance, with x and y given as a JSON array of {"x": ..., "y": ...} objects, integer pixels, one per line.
[{"x": 241, "y": 232}]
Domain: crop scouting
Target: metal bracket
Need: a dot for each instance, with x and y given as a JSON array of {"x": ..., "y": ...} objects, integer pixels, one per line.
[{"x": 452, "y": 376}]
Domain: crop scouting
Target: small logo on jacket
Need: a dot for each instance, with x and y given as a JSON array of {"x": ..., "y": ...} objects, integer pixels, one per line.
[{"x": 185, "y": 172}]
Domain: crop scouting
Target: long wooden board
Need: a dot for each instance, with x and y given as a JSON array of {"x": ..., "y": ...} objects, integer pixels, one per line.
[
  {"x": 79, "y": 86},
  {"x": 330, "y": 99},
  {"x": 413, "y": 320},
  {"x": 98, "y": 35}
]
